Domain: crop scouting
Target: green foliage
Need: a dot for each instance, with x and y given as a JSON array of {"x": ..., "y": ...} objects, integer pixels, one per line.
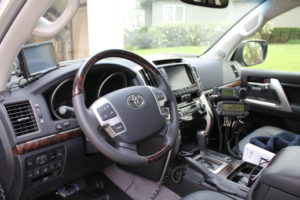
[
  {"x": 265, "y": 32},
  {"x": 173, "y": 35},
  {"x": 283, "y": 35},
  {"x": 293, "y": 42}
]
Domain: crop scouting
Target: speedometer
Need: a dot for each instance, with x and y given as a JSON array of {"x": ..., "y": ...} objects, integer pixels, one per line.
[{"x": 112, "y": 83}]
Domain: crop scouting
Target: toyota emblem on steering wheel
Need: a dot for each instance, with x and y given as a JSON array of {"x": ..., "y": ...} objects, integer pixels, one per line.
[{"x": 135, "y": 101}]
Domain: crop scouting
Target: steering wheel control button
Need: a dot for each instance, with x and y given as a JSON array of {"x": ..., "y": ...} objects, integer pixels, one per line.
[
  {"x": 159, "y": 94},
  {"x": 119, "y": 127},
  {"x": 106, "y": 112}
]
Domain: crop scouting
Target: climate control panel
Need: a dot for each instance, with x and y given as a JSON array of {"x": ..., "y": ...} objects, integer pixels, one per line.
[{"x": 44, "y": 166}]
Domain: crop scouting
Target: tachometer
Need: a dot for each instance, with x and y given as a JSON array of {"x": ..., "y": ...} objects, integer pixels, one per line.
[{"x": 61, "y": 96}]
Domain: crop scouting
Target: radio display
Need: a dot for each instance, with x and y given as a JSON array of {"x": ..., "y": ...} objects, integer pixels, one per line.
[
  {"x": 234, "y": 107},
  {"x": 178, "y": 77},
  {"x": 228, "y": 92}
]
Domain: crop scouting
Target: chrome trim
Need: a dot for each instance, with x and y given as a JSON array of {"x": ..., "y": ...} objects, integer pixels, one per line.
[
  {"x": 160, "y": 103},
  {"x": 219, "y": 162},
  {"x": 135, "y": 101},
  {"x": 35, "y": 117},
  {"x": 284, "y": 102},
  {"x": 107, "y": 125},
  {"x": 137, "y": 70}
]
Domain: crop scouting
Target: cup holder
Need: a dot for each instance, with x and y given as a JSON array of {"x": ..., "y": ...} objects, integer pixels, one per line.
[{"x": 246, "y": 174}]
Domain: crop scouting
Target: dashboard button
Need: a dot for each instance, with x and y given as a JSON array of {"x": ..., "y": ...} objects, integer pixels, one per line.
[
  {"x": 52, "y": 155},
  {"x": 29, "y": 163},
  {"x": 37, "y": 171},
  {"x": 29, "y": 175},
  {"x": 41, "y": 160},
  {"x": 118, "y": 127},
  {"x": 60, "y": 153},
  {"x": 59, "y": 127},
  {"x": 51, "y": 166},
  {"x": 59, "y": 165},
  {"x": 45, "y": 169},
  {"x": 67, "y": 124}
]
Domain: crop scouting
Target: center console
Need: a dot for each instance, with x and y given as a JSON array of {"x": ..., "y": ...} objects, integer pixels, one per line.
[{"x": 186, "y": 87}]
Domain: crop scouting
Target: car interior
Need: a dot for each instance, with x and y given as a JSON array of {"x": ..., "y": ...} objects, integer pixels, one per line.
[{"x": 119, "y": 125}]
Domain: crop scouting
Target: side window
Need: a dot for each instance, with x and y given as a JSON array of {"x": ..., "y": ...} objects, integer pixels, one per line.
[{"x": 283, "y": 36}]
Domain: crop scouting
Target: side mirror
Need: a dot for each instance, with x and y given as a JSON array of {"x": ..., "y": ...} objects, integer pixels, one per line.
[
  {"x": 208, "y": 3},
  {"x": 251, "y": 52}
]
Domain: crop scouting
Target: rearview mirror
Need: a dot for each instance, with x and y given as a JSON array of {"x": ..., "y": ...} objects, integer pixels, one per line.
[
  {"x": 251, "y": 52},
  {"x": 208, "y": 3}
]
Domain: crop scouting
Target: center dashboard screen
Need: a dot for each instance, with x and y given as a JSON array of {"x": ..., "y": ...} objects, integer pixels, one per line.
[{"x": 178, "y": 77}]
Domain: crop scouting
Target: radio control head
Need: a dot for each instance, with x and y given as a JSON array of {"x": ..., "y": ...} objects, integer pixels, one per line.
[{"x": 242, "y": 92}]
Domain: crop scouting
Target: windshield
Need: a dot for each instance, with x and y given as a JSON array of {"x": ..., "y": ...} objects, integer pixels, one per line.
[{"x": 142, "y": 26}]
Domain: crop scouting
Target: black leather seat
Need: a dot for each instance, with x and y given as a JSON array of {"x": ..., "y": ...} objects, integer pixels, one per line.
[
  {"x": 206, "y": 195},
  {"x": 268, "y": 131}
]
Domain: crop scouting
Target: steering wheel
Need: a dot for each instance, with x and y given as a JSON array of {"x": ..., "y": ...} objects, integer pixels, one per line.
[{"x": 129, "y": 116}]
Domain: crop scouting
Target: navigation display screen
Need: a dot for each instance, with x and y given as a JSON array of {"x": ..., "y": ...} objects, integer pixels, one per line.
[
  {"x": 38, "y": 58},
  {"x": 233, "y": 107},
  {"x": 178, "y": 77}
]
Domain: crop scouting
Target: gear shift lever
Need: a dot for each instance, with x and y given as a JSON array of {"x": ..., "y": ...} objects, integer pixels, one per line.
[{"x": 202, "y": 141}]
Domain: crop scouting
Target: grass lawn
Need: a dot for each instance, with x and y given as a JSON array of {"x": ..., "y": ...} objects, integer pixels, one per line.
[{"x": 281, "y": 57}]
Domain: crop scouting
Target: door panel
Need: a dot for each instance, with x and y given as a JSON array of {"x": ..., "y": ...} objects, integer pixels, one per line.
[{"x": 274, "y": 98}]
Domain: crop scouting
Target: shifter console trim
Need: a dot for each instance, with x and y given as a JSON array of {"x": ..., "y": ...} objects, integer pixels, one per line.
[{"x": 206, "y": 157}]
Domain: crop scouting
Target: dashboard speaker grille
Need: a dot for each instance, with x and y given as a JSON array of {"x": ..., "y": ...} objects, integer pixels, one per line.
[{"x": 22, "y": 118}]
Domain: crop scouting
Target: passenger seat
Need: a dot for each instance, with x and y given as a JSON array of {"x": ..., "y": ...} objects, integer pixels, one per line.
[{"x": 268, "y": 131}]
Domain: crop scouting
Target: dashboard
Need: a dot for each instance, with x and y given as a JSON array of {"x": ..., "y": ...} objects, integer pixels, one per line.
[{"x": 50, "y": 149}]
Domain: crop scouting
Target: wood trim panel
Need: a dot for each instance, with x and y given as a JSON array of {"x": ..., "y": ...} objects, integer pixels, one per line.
[
  {"x": 158, "y": 155},
  {"x": 46, "y": 141},
  {"x": 233, "y": 84}
]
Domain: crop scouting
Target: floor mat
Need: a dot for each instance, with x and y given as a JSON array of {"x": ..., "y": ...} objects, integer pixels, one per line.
[
  {"x": 138, "y": 188},
  {"x": 106, "y": 190}
]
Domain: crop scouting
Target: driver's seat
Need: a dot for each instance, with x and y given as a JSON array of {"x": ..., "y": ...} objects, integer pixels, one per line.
[{"x": 206, "y": 195}]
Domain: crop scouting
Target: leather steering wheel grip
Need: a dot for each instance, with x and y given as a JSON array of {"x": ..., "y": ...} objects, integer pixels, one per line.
[{"x": 88, "y": 123}]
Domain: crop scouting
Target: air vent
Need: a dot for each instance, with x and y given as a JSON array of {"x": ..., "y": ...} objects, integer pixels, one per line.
[
  {"x": 22, "y": 118},
  {"x": 168, "y": 61},
  {"x": 147, "y": 78},
  {"x": 235, "y": 71}
]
